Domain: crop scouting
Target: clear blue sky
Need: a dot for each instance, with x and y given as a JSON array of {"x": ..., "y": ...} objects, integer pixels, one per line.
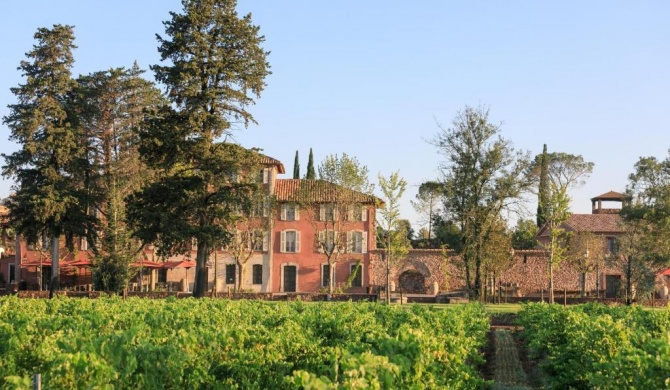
[{"x": 370, "y": 78}]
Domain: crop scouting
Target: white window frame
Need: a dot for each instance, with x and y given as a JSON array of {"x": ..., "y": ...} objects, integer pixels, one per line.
[
  {"x": 323, "y": 239},
  {"x": 324, "y": 211},
  {"x": 282, "y": 241},
  {"x": 351, "y": 269},
  {"x": 353, "y": 215},
  {"x": 286, "y": 210},
  {"x": 351, "y": 241}
]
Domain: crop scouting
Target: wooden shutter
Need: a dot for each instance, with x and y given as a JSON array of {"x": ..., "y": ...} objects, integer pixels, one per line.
[
  {"x": 336, "y": 213},
  {"x": 322, "y": 212},
  {"x": 322, "y": 240},
  {"x": 364, "y": 244},
  {"x": 297, "y": 212},
  {"x": 364, "y": 213},
  {"x": 350, "y": 213},
  {"x": 349, "y": 244},
  {"x": 297, "y": 242},
  {"x": 282, "y": 242},
  {"x": 266, "y": 241},
  {"x": 282, "y": 215}
]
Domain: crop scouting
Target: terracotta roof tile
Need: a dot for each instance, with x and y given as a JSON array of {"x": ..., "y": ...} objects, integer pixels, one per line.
[
  {"x": 596, "y": 223},
  {"x": 610, "y": 195},
  {"x": 267, "y": 160},
  {"x": 318, "y": 191}
]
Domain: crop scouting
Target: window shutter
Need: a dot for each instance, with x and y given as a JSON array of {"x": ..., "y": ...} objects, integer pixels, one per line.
[
  {"x": 282, "y": 242},
  {"x": 364, "y": 245},
  {"x": 266, "y": 241},
  {"x": 322, "y": 240},
  {"x": 297, "y": 242},
  {"x": 349, "y": 244},
  {"x": 322, "y": 212},
  {"x": 336, "y": 213},
  {"x": 265, "y": 176},
  {"x": 350, "y": 213},
  {"x": 297, "y": 212},
  {"x": 266, "y": 206},
  {"x": 364, "y": 213},
  {"x": 283, "y": 212}
]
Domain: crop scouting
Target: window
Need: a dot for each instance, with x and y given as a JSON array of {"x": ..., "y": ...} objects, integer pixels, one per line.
[
  {"x": 357, "y": 213},
  {"x": 358, "y": 242},
  {"x": 290, "y": 241},
  {"x": 12, "y": 273},
  {"x": 230, "y": 273},
  {"x": 258, "y": 241},
  {"x": 264, "y": 176},
  {"x": 84, "y": 244},
  {"x": 289, "y": 212},
  {"x": 356, "y": 269},
  {"x": 327, "y": 212},
  {"x": 325, "y": 275},
  {"x": 613, "y": 245},
  {"x": 327, "y": 240},
  {"x": 257, "y": 274},
  {"x": 162, "y": 275}
]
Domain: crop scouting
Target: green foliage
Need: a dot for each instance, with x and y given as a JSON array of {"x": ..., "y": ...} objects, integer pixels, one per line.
[
  {"x": 595, "y": 346},
  {"x": 215, "y": 67},
  {"x": 311, "y": 173},
  {"x": 542, "y": 194},
  {"x": 347, "y": 172},
  {"x": 201, "y": 344},
  {"x": 427, "y": 204},
  {"x": 483, "y": 176},
  {"x": 296, "y": 166},
  {"x": 524, "y": 233}
]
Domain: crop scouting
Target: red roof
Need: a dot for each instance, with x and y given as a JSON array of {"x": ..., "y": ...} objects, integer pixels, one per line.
[
  {"x": 611, "y": 195},
  {"x": 267, "y": 160},
  {"x": 319, "y": 191},
  {"x": 594, "y": 223}
]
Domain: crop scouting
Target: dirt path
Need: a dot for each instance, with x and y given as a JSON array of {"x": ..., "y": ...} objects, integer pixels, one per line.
[{"x": 507, "y": 361}]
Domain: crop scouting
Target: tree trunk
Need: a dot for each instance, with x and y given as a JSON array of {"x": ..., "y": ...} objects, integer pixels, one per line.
[
  {"x": 240, "y": 275},
  {"x": 55, "y": 270},
  {"x": 629, "y": 289},
  {"x": 551, "y": 282},
  {"x": 388, "y": 278},
  {"x": 200, "y": 281}
]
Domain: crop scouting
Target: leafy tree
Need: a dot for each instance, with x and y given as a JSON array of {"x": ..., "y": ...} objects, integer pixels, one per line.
[
  {"x": 347, "y": 172},
  {"x": 394, "y": 237},
  {"x": 427, "y": 203},
  {"x": 296, "y": 166},
  {"x": 215, "y": 68},
  {"x": 311, "y": 173},
  {"x": 587, "y": 252},
  {"x": 644, "y": 247},
  {"x": 498, "y": 255},
  {"x": 524, "y": 234},
  {"x": 51, "y": 168},
  {"x": 564, "y": 172},
  {"x": 542, "y": 196},
  {"x": 483, "y": 176},
  {"x": 112, "y": 105}
]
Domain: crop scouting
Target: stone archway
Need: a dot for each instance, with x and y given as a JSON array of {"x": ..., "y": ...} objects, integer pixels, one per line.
[{"x": 412, "y": 282}]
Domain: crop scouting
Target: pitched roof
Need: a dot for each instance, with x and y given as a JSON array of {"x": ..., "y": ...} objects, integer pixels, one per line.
[
  {"x": 267, "y": 160},
  {"x": 594, "y": 223},
  {"x": 610, "y": 195},
  {"x": 319, "y": 191}
]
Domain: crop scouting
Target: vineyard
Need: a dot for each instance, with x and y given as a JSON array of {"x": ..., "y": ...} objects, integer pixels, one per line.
[
  {"x": 187, "y": 343},
  {"x": 594, "y": 346}
]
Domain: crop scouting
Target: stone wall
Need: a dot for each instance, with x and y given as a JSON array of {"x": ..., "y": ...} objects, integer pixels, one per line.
[{"x": 529, "y": 273}]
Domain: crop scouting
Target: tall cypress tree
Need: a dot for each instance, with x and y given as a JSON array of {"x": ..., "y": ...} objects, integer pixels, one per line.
[
  {"x": 50, "y": 169},
  {"x": 216, "y": 67},
  {"x": 311, "y": 172},
  {"x": 296, "y": 166},
  {"x": 543, "y": 193}
]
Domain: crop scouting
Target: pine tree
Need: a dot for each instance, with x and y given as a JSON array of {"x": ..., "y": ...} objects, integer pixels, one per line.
[
  {"x": 112, "y": 105},
  {"x": 50, "y": 169},
  {"x": 311, "y": 173},
  {"x": 542, "y": 193},
  {"x": 215, "y": 67},
  {"x": 296, "y": 166}
]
